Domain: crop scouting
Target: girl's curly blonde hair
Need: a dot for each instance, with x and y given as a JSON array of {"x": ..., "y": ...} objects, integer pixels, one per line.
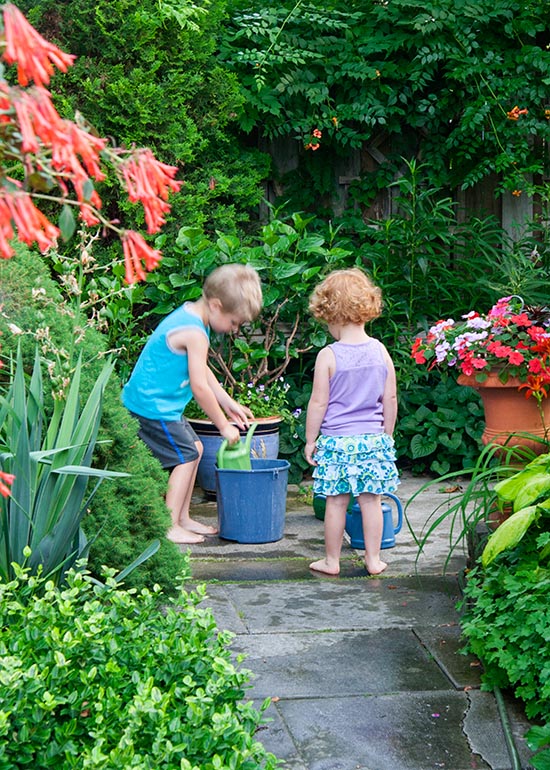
[{"x": 346, "y": 297}]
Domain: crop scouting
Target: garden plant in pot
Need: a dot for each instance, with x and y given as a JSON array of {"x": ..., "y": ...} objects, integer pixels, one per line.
[
  {"x": 250, "y": 367},
  {"x": 505, "y": 355}
]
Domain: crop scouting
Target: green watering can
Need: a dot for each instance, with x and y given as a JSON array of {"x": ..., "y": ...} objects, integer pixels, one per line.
[{"x": 236, "y": 457}]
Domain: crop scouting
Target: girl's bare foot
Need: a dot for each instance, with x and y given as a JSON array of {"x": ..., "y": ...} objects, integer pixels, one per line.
[
  {"x": 376, "y": 567},
  {"x": 324, "y": 566},
  {"x": 200, "y": 529},
  {"x": 181, "y": 535}
]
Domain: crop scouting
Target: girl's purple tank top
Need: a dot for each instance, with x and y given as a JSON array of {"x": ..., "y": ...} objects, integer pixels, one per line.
[{"x": 356, "y": 390}]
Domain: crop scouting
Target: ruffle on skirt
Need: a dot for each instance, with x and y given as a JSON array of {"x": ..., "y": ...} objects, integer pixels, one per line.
[{"x": 355, "y": 464}]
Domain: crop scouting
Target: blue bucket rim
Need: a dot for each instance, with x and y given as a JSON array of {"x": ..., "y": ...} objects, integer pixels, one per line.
[{"x": 259, "y": 466}]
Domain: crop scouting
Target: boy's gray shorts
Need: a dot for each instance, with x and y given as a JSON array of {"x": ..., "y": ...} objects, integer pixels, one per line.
[{"x": 172, "y": 443}]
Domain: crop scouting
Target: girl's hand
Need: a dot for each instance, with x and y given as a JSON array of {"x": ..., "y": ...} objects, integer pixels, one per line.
[{"x": 309, "y": 451}]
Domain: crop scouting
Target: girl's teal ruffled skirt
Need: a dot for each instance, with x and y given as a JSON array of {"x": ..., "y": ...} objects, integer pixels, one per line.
[{"x": 355, "y": 464}]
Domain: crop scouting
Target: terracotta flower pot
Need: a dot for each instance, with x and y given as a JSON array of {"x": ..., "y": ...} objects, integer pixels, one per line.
[{"x": 508, "y": 411}]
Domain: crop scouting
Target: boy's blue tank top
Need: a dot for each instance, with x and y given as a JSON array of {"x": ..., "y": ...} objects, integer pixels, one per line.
[{"x": 159, "y": 387}]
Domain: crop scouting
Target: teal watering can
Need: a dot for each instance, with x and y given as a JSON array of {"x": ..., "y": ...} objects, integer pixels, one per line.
[
  {"x": 236, "y": 457},
  {"x": 354, "y": 523}
]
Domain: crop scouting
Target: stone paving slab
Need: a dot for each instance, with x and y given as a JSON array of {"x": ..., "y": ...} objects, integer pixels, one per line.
[
  {"x": 303, "y": 541},
  {"x": 404, "y": 731},
  {"x": 334, "y": 604},
  {"x": 302, "y": 665},
  {"x": 364, "y": 672}
]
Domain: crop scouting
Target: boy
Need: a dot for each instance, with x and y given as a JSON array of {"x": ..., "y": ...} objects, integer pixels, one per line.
[{"x": 172, "y": 369}]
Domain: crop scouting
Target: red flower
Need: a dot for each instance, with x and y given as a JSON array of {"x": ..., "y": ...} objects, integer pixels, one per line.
[
  {"x": 536, "y": 386},
  {"x": 417, "y": 354},
  {"x": 148, "y": 180},
  {"x": 17, "y": 207},
  {"x": 8, "y": 478},
  {"x": 35, "y": 57},
  {"x": 135, "y": 249}
]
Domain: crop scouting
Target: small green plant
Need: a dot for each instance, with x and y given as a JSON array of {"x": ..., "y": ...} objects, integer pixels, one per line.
[
  {"x": 98, "y": 677},
  {"x": 439, "y": 426},
  {"x": 528, "y": 493}
]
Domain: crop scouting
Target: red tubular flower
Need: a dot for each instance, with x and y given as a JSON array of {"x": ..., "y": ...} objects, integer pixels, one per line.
[
  {"x": 135, "y": 249},
  {"x": 37, "y": 118},
  {"x": 7, "y": 478},
  {"x": 148, "y": 181},
  {"x": 35, "y": 57},
  {"x": 17, "y": 208}
]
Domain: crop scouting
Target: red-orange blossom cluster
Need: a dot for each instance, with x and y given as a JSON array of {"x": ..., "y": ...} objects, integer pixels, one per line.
[{"x": 67, "y": 155}]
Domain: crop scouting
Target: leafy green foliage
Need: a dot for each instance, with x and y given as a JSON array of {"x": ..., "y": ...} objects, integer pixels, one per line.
[
  {"x": 436, "y": 78},
  {"x": 97, "y": 676},
  {"x": 506, "y": 623},
  {"x": 148, "y": 75}
]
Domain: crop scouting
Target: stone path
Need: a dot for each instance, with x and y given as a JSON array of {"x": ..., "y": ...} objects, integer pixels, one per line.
[{"x": 363, "y": 673}]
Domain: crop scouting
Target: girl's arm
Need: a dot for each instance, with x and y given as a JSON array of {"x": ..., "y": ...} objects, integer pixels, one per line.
[
  {"x": 318, "y": 402},
  {"x": 389, "y": 398}
]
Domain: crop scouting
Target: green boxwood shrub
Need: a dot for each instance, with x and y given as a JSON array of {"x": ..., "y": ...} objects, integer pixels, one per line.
[{"x": 98, "y": 676}]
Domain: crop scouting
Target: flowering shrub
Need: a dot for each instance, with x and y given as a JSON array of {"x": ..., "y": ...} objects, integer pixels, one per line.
[
  {"x": 51, "y": 153},
  {"x": 510, "y": 338}
]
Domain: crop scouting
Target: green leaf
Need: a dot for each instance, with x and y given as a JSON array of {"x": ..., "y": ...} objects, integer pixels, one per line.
[
  {"x": 508, "y": 534},
  {"x": 67, "y": 223},
  {"x": 422, "y": 446}
]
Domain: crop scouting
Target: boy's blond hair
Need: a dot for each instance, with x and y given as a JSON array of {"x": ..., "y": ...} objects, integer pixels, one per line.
[
  {"x": 346, "y": 297},
  {"x": 238, "y": 288}
]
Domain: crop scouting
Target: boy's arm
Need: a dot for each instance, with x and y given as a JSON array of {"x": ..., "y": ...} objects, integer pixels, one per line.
[
  {"x": 235, "y": 411},
  {"x": 318, "y": 402},
  {"x": 196, "y": 345}
]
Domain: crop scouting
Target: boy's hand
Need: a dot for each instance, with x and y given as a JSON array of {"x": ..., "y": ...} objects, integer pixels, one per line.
[
  {"x": 231, "y": 433},
  {"x": 238, "y": 413}
]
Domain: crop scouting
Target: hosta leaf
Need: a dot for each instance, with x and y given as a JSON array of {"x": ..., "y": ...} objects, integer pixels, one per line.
[{"x": 508, "y": 534}]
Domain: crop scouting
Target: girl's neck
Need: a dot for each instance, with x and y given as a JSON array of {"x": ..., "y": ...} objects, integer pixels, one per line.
[{"x": 352, "y": 334}]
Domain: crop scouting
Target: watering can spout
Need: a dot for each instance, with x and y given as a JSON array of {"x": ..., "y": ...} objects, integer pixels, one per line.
[{"x": 236, "y": 456}]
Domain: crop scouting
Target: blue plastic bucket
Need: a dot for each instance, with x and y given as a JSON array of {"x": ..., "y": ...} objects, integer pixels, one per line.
[{"x": 252, "y": 504}]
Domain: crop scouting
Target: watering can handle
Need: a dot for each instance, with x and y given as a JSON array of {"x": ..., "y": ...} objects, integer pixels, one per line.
[
  {"x": 225, "y": 445},
  {"x": 399, "y": 507}
]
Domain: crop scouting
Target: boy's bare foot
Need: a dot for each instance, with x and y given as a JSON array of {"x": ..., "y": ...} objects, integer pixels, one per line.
[
  {"x": 183, "y": 536},
  {"x": 376, "y": 567},
  {"x": 200, "y": 529},
  {"x": 323, "y": 566}
]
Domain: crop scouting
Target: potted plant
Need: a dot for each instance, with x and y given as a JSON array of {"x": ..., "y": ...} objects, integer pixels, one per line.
[
  {"x": 505, "y": 355},
  {"x": 250, "y": 367}
]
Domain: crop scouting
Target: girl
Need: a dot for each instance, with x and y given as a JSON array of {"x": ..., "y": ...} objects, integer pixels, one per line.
[{"x": 351, "y": 415}]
